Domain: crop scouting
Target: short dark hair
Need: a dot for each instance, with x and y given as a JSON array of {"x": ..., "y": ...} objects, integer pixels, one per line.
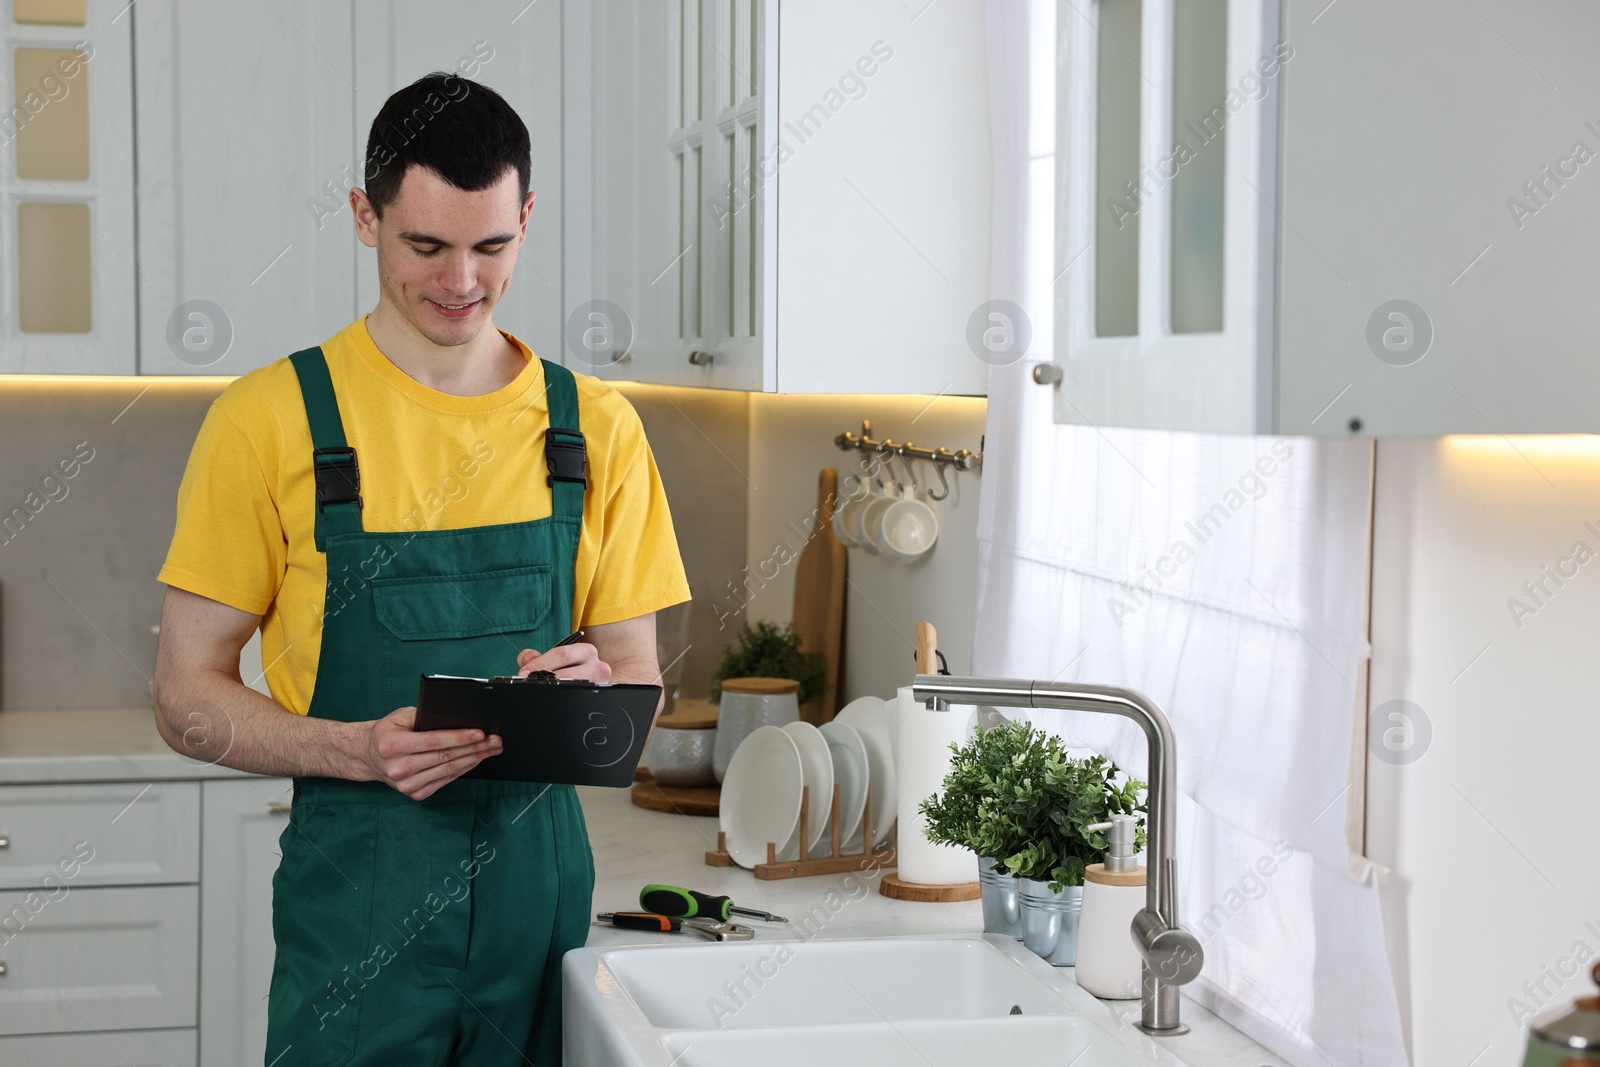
[{"x": 460, "y": 129}]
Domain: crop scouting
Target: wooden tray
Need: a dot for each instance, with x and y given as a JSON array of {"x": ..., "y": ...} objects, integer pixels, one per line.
[{"x": 677, "y": 799}]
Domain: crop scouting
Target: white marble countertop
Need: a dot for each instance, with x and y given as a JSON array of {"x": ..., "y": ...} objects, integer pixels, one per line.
[
  {"x": 91, "y": 745},
  {"x": 633, "y": 847}
]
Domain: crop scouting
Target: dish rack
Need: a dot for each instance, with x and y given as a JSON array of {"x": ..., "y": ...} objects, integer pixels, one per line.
[{"x": 835, "y": 862}]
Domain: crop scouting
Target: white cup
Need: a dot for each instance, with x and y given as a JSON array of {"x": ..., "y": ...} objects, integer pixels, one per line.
[
  {"x": 854, "y": 494},
  {"x": 872, "y": 521},
  {"x": 857, "y": 512},
  {"x": 907, "y": 529}
]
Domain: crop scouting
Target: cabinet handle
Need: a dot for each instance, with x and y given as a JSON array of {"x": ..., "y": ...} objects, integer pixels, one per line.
[
  {"x": 276, "y": 808},
  {"x": 5, "y": 840},
  {"x": 2, "y": 968},
  {"x": 1046, "y": 373},
  {"x": 701, "y": 359}
]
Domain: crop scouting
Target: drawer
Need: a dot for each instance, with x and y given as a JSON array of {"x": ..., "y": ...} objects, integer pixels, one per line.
[
  {"x": 129, "y": 1048},
  {"x": 99, "y": 959},
  {"x": 132, "y": 833}
]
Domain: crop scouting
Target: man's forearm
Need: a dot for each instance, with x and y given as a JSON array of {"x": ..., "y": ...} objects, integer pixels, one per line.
[{"x": 209, "y": 717}]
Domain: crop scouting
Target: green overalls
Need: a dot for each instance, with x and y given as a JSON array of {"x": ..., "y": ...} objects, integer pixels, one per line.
[{"x": 429, "y": 932}]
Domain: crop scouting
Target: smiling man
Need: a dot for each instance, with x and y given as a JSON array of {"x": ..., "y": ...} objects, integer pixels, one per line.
[{"x": 420, "y": 489}]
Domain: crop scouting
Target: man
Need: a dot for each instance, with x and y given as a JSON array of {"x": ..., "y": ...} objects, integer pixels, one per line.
[{"x": 413, "y": 498}]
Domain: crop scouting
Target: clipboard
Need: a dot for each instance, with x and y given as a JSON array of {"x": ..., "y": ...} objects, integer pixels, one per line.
[{"x": 565, "y": 731}]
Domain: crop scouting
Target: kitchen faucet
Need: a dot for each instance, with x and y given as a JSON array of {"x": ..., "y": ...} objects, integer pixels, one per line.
[{"x": 1172, "y": 955}]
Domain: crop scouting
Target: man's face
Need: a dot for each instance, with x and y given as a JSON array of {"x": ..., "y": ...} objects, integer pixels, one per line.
[{"x": 445, "y": 256}]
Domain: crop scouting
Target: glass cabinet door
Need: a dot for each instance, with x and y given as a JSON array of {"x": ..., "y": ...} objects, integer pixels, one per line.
[
  {"x": 66, "y": 178},
  {"x": 1166, "y": 113}
]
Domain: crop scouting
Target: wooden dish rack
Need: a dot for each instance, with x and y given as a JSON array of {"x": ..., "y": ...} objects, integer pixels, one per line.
[{"x": 834, "y": 862}]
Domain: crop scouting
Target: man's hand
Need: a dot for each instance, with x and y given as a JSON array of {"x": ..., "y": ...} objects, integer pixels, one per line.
[
  {"x": 577, "y": 660},
  {"x": 419, "y": 763}
]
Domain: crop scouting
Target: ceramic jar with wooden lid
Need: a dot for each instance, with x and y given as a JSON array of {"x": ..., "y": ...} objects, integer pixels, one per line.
[
  {"x": 681, "y": 746},
  {"x": 748, "y": 703}
]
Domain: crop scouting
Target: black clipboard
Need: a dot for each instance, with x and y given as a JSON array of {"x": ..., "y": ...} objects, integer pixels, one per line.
[{"x": 566, "y": 731}]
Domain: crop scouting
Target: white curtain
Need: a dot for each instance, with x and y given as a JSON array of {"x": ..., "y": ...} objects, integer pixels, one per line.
[{"x": 1225, "y": 578}]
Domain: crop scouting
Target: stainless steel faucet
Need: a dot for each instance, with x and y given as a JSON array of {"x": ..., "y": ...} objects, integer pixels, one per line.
[{"x": 1172, "y": 955}]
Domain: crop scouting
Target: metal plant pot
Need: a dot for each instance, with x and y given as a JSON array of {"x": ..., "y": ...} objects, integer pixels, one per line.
[
  {"x": 1050, "y": 920},
  {"x": 1002, "y": 912}
]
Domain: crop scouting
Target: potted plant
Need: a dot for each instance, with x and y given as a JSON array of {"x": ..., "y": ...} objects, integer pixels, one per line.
[
  {"x": 765, "y": 651},
  {"x": 974, "y": 810},
  {"x": 1056, "y": 809},
  {"x": 1024, "y": 806}
]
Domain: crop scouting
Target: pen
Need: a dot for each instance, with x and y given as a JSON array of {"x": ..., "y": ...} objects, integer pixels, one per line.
[{"x": 570, "y": 639}]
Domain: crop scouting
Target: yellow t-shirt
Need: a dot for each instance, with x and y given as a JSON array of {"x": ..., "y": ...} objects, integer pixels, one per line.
[{"x": 429, "y": 461}]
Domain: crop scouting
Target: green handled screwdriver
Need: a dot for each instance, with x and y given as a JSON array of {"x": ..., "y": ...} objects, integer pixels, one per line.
[{"x": 686, "y": 903}]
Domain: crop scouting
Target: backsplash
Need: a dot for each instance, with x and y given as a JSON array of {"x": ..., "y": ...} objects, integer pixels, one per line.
[{"x": 89, "y": 474}]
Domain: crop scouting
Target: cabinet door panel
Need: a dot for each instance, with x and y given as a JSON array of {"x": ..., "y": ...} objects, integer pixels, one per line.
[
  {"x": 245, "y": 152},
  {"x": 109, "y": 833},
  {"x": 1140, "y": 367},
  {"x": 104, "y": 959},
  {"x": 122, "y": 1048},
  {"x": 93, "y": 217},
  {"x": 1461, "y": 179},
  {"x": 636, "y": 245},
  {"x": 243, "y": 820}
]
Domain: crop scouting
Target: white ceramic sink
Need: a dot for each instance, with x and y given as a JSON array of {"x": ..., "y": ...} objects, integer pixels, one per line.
[
  {"x": 964, "y": 999},
  {"x": 966, "y": 1043}
]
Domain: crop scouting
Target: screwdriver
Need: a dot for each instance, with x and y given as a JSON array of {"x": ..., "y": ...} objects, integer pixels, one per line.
[
  {"x": 638, "y": 920},
  {"x": 634, "y": 920},
  {"x": 687, "y": 903}
]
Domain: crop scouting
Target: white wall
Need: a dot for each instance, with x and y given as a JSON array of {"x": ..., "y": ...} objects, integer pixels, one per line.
[
  {"x": 1489, "y": 833},
  {"x": 791, "y": 440}
]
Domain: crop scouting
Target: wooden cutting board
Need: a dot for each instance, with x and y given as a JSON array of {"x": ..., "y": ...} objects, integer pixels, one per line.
[{"x": 819, "y": 598}]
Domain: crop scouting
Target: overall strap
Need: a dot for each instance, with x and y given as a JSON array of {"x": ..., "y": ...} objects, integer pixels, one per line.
[
  {"x": 565, "y": 453},
  {"x": 333, "y": 460}
]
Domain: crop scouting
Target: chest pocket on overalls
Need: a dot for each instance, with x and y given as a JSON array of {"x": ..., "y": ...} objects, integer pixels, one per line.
[{"x": 471, "y": 624}]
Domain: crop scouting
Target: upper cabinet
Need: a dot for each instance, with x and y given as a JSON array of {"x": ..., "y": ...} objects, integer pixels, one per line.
[
  {"x": 1328, "y": 218},
  {"x": 66, "y": 188},
  {"x": 253, "y": 124},
  {"x": 788, "y": 197},
  {"x": 246, "y": 147}
]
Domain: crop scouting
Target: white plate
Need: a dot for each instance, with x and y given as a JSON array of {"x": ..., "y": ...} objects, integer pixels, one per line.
[
  {"x": 816, "y": 767},
  {"x": 869, "y": 717},
  {"x": 850, "y": 771},
  {"x": 761, "y": 796}
]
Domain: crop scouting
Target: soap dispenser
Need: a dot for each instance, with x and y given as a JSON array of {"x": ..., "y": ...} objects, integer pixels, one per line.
[{"x": 1113, "y": 893}]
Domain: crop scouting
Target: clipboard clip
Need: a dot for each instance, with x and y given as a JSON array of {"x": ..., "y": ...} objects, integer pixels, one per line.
[{"x": 538, "y": 678}]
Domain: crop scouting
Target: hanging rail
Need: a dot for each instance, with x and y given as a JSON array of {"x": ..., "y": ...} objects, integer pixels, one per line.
[{"x": 961, "y": 459}]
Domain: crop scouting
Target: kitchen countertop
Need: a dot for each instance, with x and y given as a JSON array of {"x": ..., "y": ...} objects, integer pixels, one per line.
[
  {"x": 91, "y": 745},
  {"x": 633, "y": 847}
]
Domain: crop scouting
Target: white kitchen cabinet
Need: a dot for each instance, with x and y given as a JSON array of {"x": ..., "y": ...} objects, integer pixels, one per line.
[
  {"x": 243, "y": 820},
  {"x": 246, "y": 119},
  {"x": 515, "y": 49},
  {"x": 99, "y": 958},
  {"x": 106, "y": 833},
  {"x": 66, "y": 194},
  {"x": 1300, "y": 219},
  {"x": 122, "y": 1048},
  {"x": 789, "y": 197}
]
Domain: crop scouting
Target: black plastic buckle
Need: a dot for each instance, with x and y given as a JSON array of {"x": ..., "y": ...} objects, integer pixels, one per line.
[
  {"x": 568, "y": 460},
  {"x": 338, "y": 476}
]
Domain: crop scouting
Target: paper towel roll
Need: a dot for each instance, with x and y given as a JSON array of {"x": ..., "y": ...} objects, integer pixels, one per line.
[{"x": 922, "y": 740}]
